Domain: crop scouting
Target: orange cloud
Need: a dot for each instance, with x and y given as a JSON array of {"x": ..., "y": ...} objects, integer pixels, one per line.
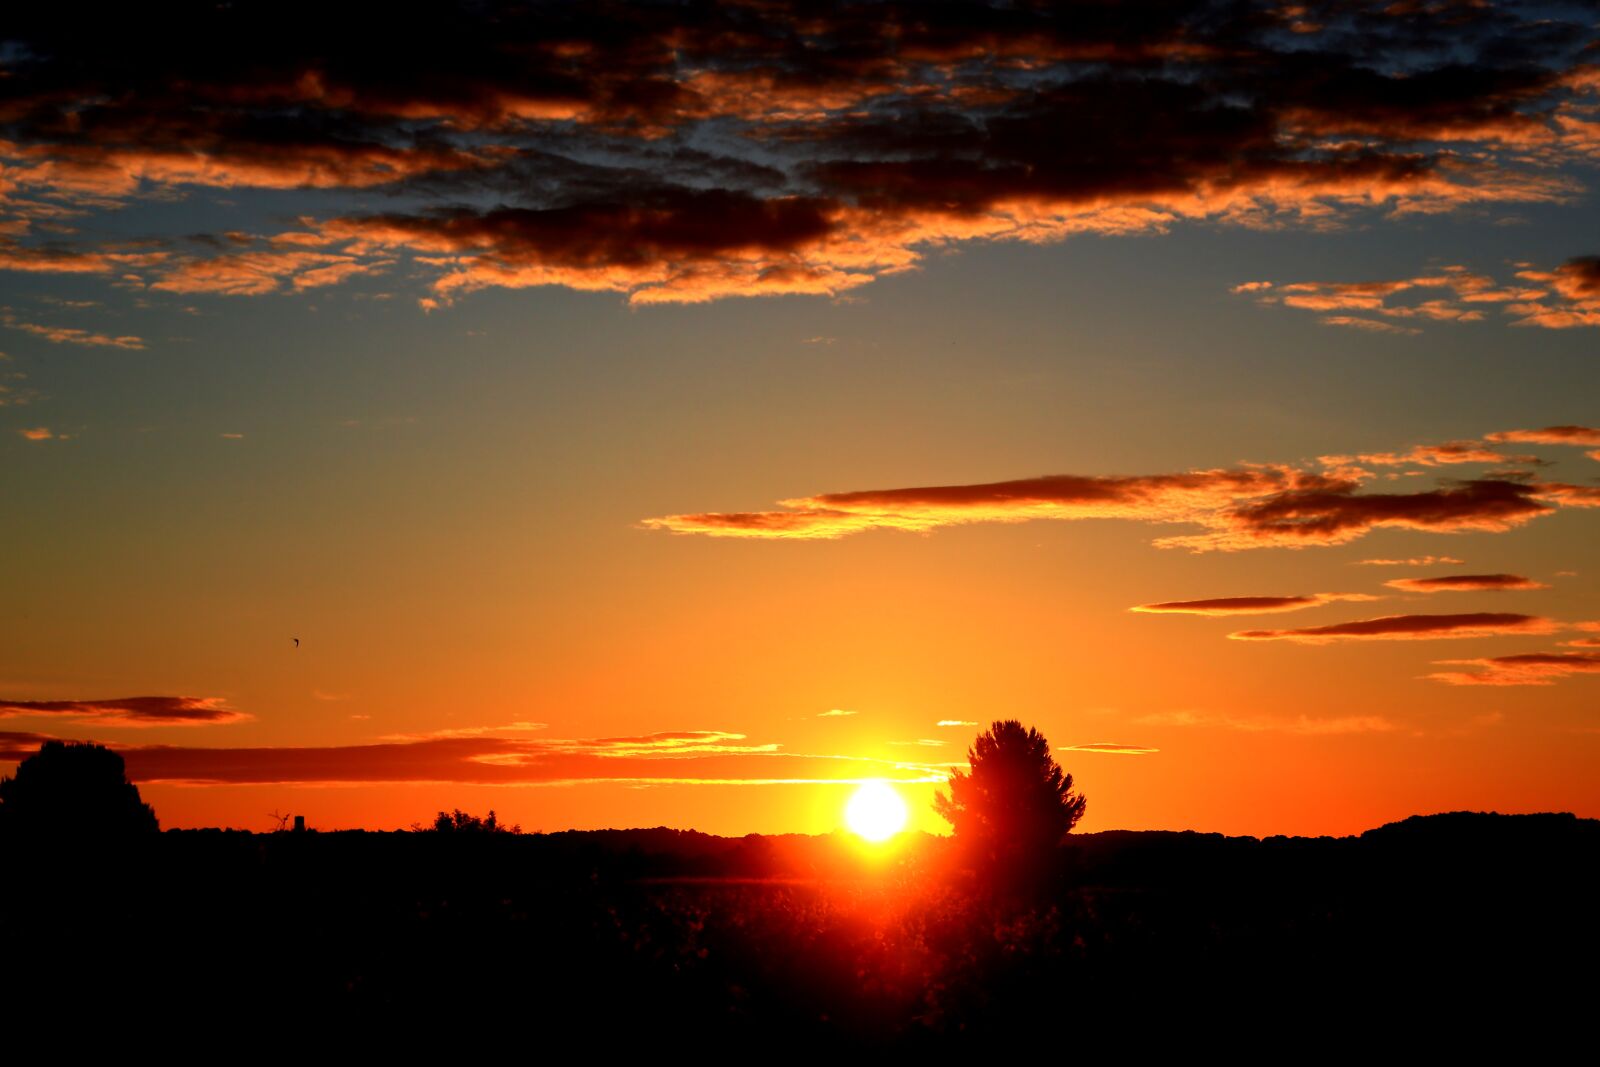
[
  {"x": 255, "y": 273},
  {"x": 1415, "y": 561},
  {"x": 1408, "y": 628},
  {"x": 1567, "y": 296},
  {"x": 38, "y": 433},
  {"x": 680, "y": 758},
  {"x": 1247, "y": 605},
  {"x": 131, "y": 711},
  {"x": 1534, "y": 668},
  {"x": 1370, "y": 325},
  {"x": 1349, "y": 724},
  {"x": 1249, "y": 507},
  {"x": 1550, "y": 435},
  {"x": 1427, "y": 456},
  {"x": 1465, "y": 583},
  {"x": 66, "y": 335}
]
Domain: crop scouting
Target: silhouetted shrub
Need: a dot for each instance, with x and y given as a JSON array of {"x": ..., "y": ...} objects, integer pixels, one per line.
[
  {"x": 459, "y": 822},
  {"x": 73, "y": 788}
]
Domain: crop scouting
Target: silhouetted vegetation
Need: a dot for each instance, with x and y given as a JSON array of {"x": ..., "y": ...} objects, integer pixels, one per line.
[
  {"x": 648, "y": 940},
  {"x": 70, "y": 790},
  {"x": 459, "y": 822},
  {"x": 1015, "y": 805}
]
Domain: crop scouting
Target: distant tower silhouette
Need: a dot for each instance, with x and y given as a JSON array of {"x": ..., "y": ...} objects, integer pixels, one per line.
[{"x": 299, "y": 824}]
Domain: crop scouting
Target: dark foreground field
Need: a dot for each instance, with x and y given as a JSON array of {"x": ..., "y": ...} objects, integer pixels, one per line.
[{"x": 1436, "y": 931}]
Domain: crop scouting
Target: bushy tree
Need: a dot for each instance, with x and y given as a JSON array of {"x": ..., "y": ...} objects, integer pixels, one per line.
[
  {"x": 73, "y": 789},
  {"x": 1015, "y": 804},
  {"x": 459, "y": 822}
]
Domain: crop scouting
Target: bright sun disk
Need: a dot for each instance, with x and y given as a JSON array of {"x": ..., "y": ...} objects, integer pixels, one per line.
[{"x": 876, "y": 811}]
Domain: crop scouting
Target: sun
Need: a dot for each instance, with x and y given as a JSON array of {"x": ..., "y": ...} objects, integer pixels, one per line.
[{"x": 876, "y": 811}]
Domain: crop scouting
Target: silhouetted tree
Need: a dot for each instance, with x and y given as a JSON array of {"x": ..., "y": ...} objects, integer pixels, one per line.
[
  {"x": 459, "y": 822},
  {"x": 1015, "y": 804},
  {"x": 73, "y": 788}
]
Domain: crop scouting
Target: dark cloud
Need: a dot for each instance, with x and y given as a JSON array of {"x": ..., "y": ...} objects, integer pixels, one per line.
[
  {"x": 131, "y": 711},
  {"x": 1247, "y": 605},
  {"x": 709, "y": 757},
  {"x": 1240, "y": 508},
  {"x": 1533, "y": 668},
  {"x": 785, "y": 146},
  {"x": 1465, "y": 582},
  {"x": 1408, "y": 627}
]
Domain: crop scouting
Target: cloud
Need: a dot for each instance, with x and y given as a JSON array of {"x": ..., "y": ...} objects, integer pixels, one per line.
[
  {"x": 1451, "y": 452},
  {"x": 1408, "y": 628},
  {"x": 1550, "y": 435},
  {"x": 131, "y": 711},
  {"x": 845, "y": 142},
  {"x": 1465, "y": 582},
  {"x": 1561, "y": 298},
  {"x": 692, "y": 757},
  {"x": 836, "y": 713},
  {"x": 955, "y": 722},
  {"x": 1414, "y": 561},
  {"x": 922, "y": 742},
  {"x": 1245, "y": 507},
  {"x": 1534, "y": 668},
  {"x": 1110, "y": 749},
  {"x": 1348, "y": 724},
  {"x": 1370, "y": 325},
  {"x": 256, "y": 273},
  {"x": 69, "y": 335},
  {"x": 37, "y": 433},
  {"x": 1576, "y": 300},
  {"x": 1248, "y": 605}
]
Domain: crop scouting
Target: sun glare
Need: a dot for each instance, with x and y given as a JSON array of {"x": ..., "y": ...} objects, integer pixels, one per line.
[{"x": 876, "y": 811}]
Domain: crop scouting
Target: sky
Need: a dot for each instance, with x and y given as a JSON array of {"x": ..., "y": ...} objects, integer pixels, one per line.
[{"x": 659, "y": 414}]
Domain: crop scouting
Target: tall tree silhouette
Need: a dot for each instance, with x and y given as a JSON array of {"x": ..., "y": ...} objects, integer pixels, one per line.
[
  {"x": 73, "y": 788},
  {"x": 1015, "y": 804}
]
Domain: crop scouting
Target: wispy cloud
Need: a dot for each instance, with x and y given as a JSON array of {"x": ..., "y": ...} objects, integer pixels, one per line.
[
  {"x": 1562, "y": 298},
  {"x": 1464, "y": 583},
  {"x": 1248, "y": 605},
  {"x": 1110, "y": 749},
  {"x": 1414, "y": 561},
  {"x": 1534, "y": 668},
  {"x": 1347, "y": 724},
  {"x": 955, "y": 722},
  {"x": 1581, "y": 436},
  {"x": 837, "y": 713},
  {"x": 71, "y": 335},
  {"x": 1250, "y": 506},
  {"x": 1409, "y": 628},
  {"x": 131, "y": 711},
  {"x": 693, "y": 757}
]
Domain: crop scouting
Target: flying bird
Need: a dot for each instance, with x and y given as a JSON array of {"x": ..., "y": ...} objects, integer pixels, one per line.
[{"x": 297, "y": 642}]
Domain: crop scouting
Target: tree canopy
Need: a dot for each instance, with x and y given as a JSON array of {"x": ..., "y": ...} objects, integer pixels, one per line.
[
  {"x": 459, "y": 822},
  {"x": 74, "y": 788},
  {"x": 1015, "y": 803}
]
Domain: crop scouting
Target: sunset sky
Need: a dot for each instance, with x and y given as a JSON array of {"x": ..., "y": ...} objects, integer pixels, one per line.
[{"x": 656, "y": 414}]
